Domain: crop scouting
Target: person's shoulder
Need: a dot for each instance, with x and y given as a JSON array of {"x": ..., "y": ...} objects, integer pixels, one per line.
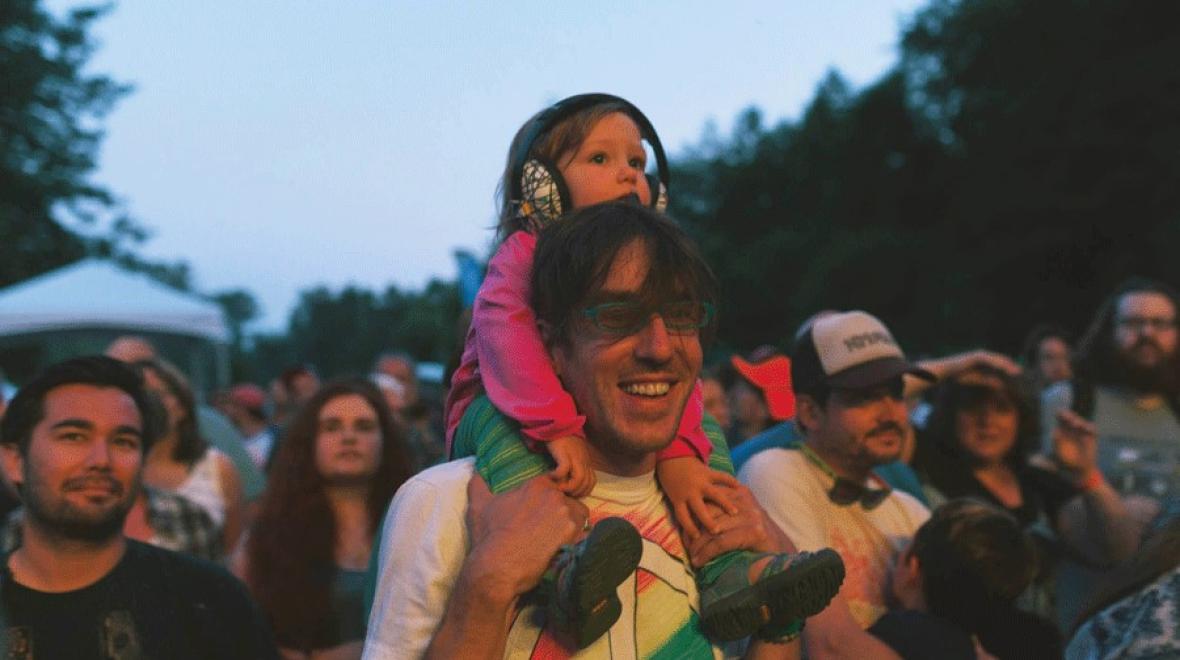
[
  {"x": 770, "y": 463},
  {"x": 914, "y": 634},
  {"x": 176, "y": 565},
  {"x": 438, "y": 488},
  {"x": 443, "y": 476},
  {"x": 776, "y": 436},
  {"x": 1058, "y": 395},
  {"x": 913, "y": 509},
  {"x": 781, "y": 477}
]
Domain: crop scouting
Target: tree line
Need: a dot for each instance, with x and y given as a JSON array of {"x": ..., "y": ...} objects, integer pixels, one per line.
[{"x": 1017, "y": 161}]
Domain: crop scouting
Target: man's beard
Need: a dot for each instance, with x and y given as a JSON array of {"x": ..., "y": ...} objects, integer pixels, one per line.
[
  {"x": 1163, "y": 377},
  {"x": 64, "y": 520}
]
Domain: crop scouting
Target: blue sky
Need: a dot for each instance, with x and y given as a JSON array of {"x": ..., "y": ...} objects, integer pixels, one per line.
[{"x": 280, "y": 145}]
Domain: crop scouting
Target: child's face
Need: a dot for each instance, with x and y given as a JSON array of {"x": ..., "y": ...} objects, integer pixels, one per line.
[{"x": 608, "y": 164}]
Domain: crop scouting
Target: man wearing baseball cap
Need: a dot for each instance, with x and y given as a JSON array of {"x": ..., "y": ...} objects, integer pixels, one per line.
[{"x": 848, "y": 375}]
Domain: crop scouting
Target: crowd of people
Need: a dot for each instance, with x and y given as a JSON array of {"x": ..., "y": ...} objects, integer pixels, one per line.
[{"x": 589, "y": 488}]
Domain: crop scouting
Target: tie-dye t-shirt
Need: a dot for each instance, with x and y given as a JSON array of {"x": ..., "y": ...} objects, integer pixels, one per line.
[
  {"x": 659, "y": 618},
  {"x": 425, "y": 543},
  {"x": 794, "y": 493}
]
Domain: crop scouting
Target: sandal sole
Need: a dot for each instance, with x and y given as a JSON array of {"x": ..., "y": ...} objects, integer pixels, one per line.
[
  {"x": 804, "y": 589},
  {"x": 612, "y": 553}
]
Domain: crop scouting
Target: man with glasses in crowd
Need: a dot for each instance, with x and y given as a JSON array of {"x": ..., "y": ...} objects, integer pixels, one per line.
[
  {"x": 1127, "y": 381},
  {"x": 621, "y": 297}
]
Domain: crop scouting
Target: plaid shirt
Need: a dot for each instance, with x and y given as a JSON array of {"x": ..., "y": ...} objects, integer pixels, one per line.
[{"x": 178, "y": 524}]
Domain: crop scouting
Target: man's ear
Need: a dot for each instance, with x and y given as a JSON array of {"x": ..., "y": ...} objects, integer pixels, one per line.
[
  {"x": 12, "y": 463},
  {"x": 808, "y": 411},
  {"x": 552, "y": 345}
]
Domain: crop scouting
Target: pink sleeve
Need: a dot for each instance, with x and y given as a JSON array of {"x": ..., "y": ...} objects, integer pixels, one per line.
[
  {"x": 690, "y": 437},
  {"x": 514, "y": 366}
]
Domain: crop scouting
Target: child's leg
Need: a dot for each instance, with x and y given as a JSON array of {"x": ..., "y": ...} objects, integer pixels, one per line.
[
  {"x": 501, "y": 456},
  {"x": 788, "y": 588},
  {"x": 579, "y": 589}
]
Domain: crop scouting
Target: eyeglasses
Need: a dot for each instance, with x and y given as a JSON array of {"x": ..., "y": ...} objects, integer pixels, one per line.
[
  {"x": 1141, "y": 323},
  {"x": 624, "y": 318}
]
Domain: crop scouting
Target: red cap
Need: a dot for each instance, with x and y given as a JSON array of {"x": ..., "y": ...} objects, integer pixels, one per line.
[
  {"x": 248, "y": 396},
  {"x": 772, "y": 375}
]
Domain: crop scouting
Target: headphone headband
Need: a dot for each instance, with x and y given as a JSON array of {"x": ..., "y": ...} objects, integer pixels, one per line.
[{"x": 567, "y": 107}]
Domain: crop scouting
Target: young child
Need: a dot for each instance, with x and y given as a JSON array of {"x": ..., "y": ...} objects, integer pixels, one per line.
[
  {"x": 582, "y": 151},
  {"x": 957, "y": 583}
]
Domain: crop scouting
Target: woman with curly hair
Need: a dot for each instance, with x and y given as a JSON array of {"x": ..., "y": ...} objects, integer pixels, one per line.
[{"x": 336, "y": 469}]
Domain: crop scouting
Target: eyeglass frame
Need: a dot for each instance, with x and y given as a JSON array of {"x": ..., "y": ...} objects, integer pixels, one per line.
[
  {"x": 592, "y": 313},
  {"x": 1141, "y": 323}
]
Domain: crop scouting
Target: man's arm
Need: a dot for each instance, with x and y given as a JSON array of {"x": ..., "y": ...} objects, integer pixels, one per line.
[
  {"x": 424, "y": 541},
  {"x": 514, "y": 538},
  {"x": 1100, "y": 525}
]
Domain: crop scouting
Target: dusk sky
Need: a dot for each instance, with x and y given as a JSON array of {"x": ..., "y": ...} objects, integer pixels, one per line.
[{"x": 275, "y": 146}]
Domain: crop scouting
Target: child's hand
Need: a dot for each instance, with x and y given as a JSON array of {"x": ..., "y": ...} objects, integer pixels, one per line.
[
  {"x": 689, "y": 484},
  {"x": 573, "y": 475}
]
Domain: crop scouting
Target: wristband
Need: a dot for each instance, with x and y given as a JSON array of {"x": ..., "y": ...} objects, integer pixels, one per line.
[{"x": 1091, "y": 481}]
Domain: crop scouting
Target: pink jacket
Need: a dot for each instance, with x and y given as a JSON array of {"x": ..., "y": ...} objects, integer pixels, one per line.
[{"x": 504, "y": 357}]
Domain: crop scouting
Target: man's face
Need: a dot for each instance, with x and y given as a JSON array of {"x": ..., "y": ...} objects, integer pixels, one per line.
[
  {"x": 631, "y": 388},
  {"x": 1145, "y": 329},
  {"x": 82, "y": 471},
  {"x": 860, "y": 428}
]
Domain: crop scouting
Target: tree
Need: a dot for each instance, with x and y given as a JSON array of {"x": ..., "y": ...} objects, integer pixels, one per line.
[
  {"x": 1019, "y": 160},
  {"x": 342, "y": 333},
  {"x": 50, "y": 111}
]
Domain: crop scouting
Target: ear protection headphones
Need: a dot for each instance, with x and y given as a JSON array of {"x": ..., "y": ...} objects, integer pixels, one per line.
[{"x": 538, "y": 189}]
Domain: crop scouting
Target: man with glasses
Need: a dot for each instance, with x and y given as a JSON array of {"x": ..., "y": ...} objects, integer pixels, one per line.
[
  {"x": 622, "y": 299},
  {"x": 1127, "y": 381},
  {"x": 848, "y": 374}
]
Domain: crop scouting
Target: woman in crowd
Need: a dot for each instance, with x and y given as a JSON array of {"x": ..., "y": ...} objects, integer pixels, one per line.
[
  {"x": 305, "y": 557},
  {"x": 1046, "y": 356},
  {"x": 183, "y": 463},
  {"x": 981, "y": 433}
]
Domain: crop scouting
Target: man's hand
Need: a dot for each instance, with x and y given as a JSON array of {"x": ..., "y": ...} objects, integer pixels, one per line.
[
  {"x": 1075, "y": 443},
  {"x": 515, "y": 535},
  {"x": 748, "y": 529}
]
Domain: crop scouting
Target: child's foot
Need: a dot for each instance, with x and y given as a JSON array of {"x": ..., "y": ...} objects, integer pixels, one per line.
[
  {"x": 585, "y": 604},
  {"x": 789, "y": 587}
]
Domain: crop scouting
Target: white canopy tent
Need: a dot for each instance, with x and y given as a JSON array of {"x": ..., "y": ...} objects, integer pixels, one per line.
[
  {"x": 94, "y": 293},
  {"x": 79, "y": 308}
]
